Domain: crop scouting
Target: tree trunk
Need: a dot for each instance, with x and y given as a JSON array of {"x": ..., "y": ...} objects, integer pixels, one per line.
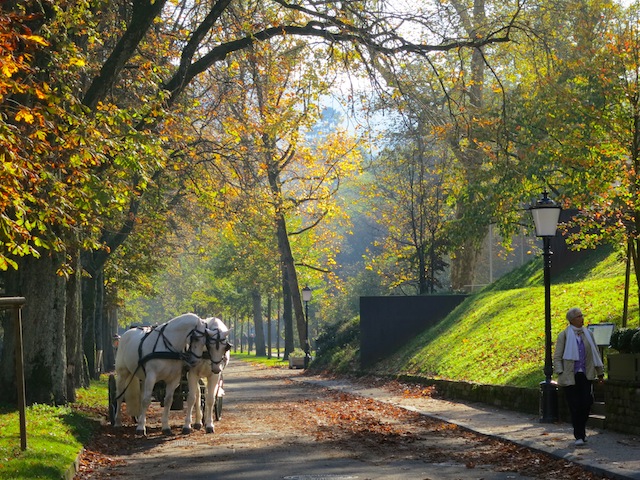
[
  {"x": 292, "y": 277},
  {"x": 258, "y": 324},
  {"x": 287, "y": 315},
  {"x": 73, "y": 329},
  {"x": 100, "y": 323},
  {"x": 269, "y": 327},
  {"x": 464, "y": 261},
  {"x": 463, "y": 265},
  {"x": 44, "y": 330},
  {"x": 89, "y": 322},
  {"x": 110, "y": 329}
]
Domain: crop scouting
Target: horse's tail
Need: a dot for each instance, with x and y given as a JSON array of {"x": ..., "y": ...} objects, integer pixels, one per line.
[{"x": 132, "y": 397}]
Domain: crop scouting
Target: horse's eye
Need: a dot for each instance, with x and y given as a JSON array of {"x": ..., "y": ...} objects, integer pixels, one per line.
[{"x": 228, "y": 347}]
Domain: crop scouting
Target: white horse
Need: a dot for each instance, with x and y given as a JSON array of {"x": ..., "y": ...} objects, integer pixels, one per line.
[
  {"x": 149, "y": 355},
  {"x": 219, "y": 348}
]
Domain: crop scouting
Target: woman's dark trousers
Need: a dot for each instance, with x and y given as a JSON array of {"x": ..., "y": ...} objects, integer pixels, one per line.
[{"x": 579, "y": 399}]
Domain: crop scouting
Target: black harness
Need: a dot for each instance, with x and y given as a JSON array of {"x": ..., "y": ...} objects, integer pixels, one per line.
[{"x": 170, "y": 352}]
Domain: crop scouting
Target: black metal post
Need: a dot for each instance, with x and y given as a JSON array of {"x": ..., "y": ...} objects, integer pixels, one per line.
[
  {"x": 548, "y": 389},
  {"x": 307, "y": 345}
]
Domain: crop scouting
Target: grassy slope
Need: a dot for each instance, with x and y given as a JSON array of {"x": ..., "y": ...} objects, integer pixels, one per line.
[{"x": 497, "y": 335}]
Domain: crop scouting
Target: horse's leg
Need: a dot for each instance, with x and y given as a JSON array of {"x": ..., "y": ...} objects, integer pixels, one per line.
[
  {"x": 210, "y": 398},
  {"x": 192, "y": 379},
  {"x": 197, "y": 404},
  {"x": 168, "y": 400},
  {"x": 147, "y": 392}
]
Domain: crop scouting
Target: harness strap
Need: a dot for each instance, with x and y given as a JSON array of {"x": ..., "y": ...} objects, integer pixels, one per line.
[{"x": 161, "y": 355}]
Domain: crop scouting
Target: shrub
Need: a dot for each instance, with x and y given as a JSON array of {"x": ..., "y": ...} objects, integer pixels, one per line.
[
  {"x": 614, "y": 341},
  {"x": 626, "y": 340},
  {"x": 624, "y": 343},
  {"x": 338, "y": 346}
]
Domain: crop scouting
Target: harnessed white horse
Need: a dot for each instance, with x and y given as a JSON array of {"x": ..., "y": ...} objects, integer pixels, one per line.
[
  {"x": 219, "y": 348},
  {"x": 154, "y": 354}
]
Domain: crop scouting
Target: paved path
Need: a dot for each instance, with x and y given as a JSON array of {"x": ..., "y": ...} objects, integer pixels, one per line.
[
  {"x": 613, "y": 454},
  {"x": 267, "y": 433}
]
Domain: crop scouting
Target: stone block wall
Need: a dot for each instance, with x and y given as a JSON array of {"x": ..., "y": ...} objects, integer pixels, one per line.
[
  {"x": 622, "y": 404},
  {"x": 525, "y": 400}
]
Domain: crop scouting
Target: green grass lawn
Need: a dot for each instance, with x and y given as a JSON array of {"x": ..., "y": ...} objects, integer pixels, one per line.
[{"x": 55, "y": 435}]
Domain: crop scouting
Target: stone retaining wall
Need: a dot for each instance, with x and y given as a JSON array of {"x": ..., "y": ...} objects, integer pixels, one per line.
[
  {"x": 622, "y": 404},
  {"x": 519, "y": 399}
]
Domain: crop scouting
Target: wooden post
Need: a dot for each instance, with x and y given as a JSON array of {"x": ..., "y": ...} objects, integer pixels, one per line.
[{"x": 16, "y": 304}]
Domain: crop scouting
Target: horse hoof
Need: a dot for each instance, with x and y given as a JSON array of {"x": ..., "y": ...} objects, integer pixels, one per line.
[
  {"x": 197, "y": 426},
  {"x": 167, "y": 431},
  {"x": 141, "y": 433},
  {"x": 210, "y": 430},
  {"x": 186, "y": 430}
]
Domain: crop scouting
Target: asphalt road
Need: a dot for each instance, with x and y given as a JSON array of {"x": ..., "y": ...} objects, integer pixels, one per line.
[{"x": 275, "y": 428}]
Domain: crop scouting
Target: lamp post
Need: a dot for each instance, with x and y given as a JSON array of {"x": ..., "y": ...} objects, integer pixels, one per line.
[
  {"x": 545, "y": 214},
  {"x": 306, "y": 297}
]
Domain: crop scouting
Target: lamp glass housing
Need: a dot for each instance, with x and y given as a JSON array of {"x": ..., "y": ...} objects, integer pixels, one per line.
[
  {"x": 546, "y": 220},
  {"x": 546, "y": 214},
  {"x": 306, "y": 294}
]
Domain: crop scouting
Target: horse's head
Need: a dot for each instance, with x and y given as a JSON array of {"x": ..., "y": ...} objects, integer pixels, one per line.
[
  {"x": 218, "y": 344},
  {"x": 197, "y": 343}
]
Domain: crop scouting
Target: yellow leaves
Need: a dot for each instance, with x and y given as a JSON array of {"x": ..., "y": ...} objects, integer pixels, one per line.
[
  {"x": 40, "y": 93},
  {"x": 25, "y": 115},
  {"x": 9, "y": 66},
  {"x": 77, "y": 62},
  {"x": 36, "y": 39}
]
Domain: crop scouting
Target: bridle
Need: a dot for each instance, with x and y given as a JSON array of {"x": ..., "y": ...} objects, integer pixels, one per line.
[{"x": 219, "y": 341}]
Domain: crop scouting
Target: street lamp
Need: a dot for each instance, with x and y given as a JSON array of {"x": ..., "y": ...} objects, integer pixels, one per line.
[
  {"x": 545, "y": 214},
  {"x": 306, "y": 297}
]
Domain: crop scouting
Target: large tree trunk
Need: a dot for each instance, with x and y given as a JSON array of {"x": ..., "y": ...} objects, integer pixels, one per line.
[
  {"x": 463, "y": 265},
  {"x": 110, "y": 330},
  {"x": 258, "y": 324},
  {"x": 73, "y": 329},
  {"x": 44, "y": 331},
  {"x": 464, "y": 261},
  {"x": 89, "y": 322},
  {"x": 292, "y": 278}
]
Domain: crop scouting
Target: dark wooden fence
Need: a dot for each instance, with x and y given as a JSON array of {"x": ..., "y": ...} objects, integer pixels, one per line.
[{"x": 388, "y": 323}]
